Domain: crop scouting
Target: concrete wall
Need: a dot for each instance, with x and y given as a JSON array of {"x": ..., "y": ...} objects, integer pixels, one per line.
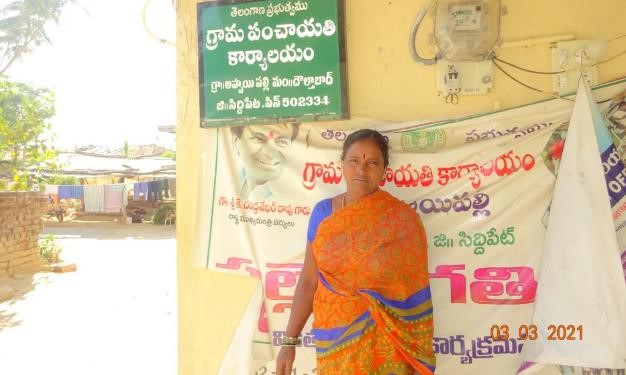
[
  {"x": 20, "y": 226},
  {"x": 383, "y": 83}
]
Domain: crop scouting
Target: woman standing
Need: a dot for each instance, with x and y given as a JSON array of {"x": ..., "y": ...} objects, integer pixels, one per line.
[{"x": 365, "y": 276}]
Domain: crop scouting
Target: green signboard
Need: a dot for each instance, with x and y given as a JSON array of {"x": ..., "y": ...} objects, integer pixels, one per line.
[{"x": 271, "y": 61}]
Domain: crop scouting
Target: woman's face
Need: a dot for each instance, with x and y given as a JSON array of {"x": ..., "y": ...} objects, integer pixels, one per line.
[
  {"x": 363, "y": 167},
  {"x": 261, "y": 149}
]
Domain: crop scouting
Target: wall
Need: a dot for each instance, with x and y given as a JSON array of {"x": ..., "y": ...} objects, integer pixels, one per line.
[
  {"x": 20, "y": 226},
  {"x": 383, "y": 83}
]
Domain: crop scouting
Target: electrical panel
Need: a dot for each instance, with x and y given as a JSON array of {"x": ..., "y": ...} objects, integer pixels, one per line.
[
  {"x": 569, "y": 59},
  {"x": 464, "y": 77}
]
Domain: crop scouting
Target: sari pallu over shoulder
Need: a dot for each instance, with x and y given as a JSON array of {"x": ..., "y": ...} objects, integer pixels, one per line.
[{"x": 372, "y": 307}]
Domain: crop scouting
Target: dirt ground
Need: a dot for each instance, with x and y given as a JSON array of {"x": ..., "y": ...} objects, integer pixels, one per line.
[{"x": 115, "y": 315}]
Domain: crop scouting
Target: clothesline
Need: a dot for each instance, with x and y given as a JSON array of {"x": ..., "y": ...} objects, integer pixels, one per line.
[{"x": 112, "y": 198}]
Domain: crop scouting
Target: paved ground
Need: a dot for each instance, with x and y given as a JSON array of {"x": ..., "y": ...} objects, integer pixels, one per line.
[{"x": 115, "y": 315}]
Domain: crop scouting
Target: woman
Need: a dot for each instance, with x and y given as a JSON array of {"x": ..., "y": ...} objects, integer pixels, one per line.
[{"x": 365, "y": 276}]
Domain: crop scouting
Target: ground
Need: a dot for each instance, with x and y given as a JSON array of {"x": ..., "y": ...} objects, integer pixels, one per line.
[{"x": 115, "y": 315}]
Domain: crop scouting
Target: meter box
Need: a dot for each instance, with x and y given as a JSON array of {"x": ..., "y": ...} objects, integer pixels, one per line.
[{"x": 467, "y": 30}]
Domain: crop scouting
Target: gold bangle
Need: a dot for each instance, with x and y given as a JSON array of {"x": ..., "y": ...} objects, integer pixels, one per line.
[{"x": 290, "y": 341}]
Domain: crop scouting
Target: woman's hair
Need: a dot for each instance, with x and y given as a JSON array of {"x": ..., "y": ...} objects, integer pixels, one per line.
[
  {"x": 295, "y": 128},
  {"x": 363, "y": 134}
]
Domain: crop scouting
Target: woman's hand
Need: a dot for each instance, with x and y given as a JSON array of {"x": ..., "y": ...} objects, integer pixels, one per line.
[{"x": 284, "y": 361}]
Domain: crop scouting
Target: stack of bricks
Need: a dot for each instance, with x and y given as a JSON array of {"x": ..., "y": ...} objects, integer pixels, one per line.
[{"x": 20, "y": 226}]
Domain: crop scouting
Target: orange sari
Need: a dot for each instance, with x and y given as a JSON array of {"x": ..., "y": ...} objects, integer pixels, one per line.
[{"x": 372, "y": 308}]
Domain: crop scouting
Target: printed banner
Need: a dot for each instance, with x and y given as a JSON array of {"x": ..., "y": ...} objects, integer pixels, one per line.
[
  {"x": 586, "y": 294},
  {"x": 482, "y": 186}
]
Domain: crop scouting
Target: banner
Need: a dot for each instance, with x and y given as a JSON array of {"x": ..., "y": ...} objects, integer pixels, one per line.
[
  {"x": 482, "y": 186},
  {"x": 586, "y": 296}
]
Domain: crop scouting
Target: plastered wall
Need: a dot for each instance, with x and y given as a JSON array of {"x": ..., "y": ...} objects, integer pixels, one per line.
[{"x": 383, "y": 83}]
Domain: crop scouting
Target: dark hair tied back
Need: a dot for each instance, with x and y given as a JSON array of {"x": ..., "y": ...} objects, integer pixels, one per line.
[{"x": 364, "y": 134}]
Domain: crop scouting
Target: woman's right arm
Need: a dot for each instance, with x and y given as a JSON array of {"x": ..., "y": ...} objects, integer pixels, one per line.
[{"x": 300, "y": 311}]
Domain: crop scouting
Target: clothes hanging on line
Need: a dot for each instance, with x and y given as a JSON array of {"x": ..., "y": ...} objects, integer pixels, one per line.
[
  {"x": 51, "y": 189},
  {"x": 94, "y": 198},
  {"x": 165, "y": 185},
  {"x": 172, "y": 185},
  {"x": 155, "y": 190},
  {"x": 114, "y": 198},
  {"x": 71, "y": 191},
  {"x": 140, "y": 191}
]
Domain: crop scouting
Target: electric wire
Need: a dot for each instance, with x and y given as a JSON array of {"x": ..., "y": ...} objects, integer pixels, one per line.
[
  {"x": 610, "y": 58},
  {"x": 617, "y": 37},
  {"x": 554, "y": 95},
  {"x": 525, "y": 69},
  {"x": 496, "y": 57}
]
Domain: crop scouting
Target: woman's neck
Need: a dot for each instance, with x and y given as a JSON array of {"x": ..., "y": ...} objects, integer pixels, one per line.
[{"x": 352, "y": 196}]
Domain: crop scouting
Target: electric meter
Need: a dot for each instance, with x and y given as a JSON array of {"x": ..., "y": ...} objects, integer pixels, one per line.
[{"x": 467, "y": 30}]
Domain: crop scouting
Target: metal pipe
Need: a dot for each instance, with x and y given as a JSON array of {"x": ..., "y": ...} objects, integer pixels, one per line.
[{"x": 535, "y": 41}]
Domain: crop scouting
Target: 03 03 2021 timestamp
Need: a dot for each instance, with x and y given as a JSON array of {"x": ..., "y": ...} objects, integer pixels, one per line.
[{"x": 553, "y": 332}]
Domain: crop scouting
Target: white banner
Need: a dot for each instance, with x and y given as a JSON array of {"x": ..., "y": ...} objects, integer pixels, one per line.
[
  {"x": 581, "y": 296},
  {"x": 481, "y": 185}
]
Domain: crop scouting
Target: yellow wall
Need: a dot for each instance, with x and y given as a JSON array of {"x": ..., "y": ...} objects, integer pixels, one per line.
[{"x": 384, "y": 83}]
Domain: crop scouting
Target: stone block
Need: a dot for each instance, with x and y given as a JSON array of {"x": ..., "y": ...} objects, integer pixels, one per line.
[
  {"x": 23, "y": 260},
  {"x": 24, "y": 268},
  {"x": 7, "y": 257},
  {"x": 63, "y": 267}
]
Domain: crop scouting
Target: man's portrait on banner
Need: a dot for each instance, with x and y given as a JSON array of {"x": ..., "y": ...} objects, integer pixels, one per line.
[{"x": 262, "y": 151}]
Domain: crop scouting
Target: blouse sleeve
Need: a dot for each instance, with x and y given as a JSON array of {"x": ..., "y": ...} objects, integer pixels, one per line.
[{"x": 321, "y": 211}]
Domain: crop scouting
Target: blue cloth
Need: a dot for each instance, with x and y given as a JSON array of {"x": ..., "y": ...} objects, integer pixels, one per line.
[
  {"x": 151, "y": 194},
  {"x": 140, "y": 189},
  {"x": 71, "y": 191},
  {"x": 321, "y": 211}
]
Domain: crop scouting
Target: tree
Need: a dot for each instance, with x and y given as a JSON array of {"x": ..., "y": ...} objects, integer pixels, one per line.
[
  {"x": 24, "y": 120},
  {"x": 22, "y": 27}
]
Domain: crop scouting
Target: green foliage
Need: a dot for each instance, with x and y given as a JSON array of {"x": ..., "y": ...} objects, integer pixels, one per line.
[
  {"x": 62, "y": 180},
  {"x": 169, "y": 154},
  {"x": 24, "y": 120},
  {"x": 49, "y": 250},
  {"x": 23, "y": 26},
  {"x": 161, "y": 213}
]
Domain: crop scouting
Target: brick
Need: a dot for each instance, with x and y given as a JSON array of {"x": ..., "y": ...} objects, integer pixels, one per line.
[
  {"x": 23, "y": 260},
  {"x": 16, "y": 254},
  {"x": 9, "y": 245},
  {"x": 8, "y": 199},
  {"x": 63, "y": 267},
  {"x": 24, "y": 268}
]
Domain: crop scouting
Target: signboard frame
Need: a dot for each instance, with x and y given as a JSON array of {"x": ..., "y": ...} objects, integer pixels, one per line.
[{"x": 263, "y": 84}]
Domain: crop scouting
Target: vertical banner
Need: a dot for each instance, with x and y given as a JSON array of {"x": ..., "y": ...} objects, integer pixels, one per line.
[
  {"x": 580, "y": 312},
  {"x": 483, "y": 188}
]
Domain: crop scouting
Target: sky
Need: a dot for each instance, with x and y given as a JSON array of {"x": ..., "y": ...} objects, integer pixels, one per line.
[{"x": 113, "y": 81}]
